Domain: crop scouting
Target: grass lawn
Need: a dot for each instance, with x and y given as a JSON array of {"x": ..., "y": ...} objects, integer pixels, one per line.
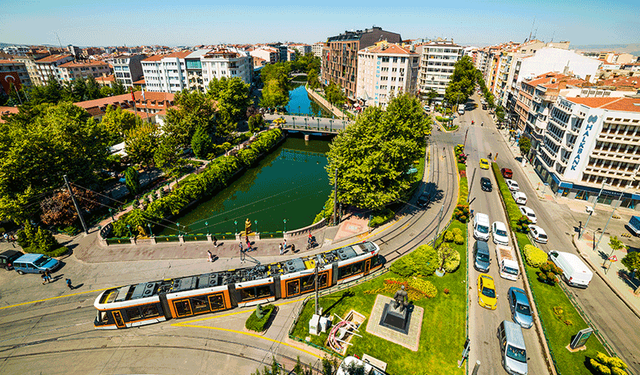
[
  {"x": 443, "y": 325},
  {"x": 560, "y": 319}
]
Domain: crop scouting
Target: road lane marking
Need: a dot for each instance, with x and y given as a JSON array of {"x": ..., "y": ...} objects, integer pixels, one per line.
[{"x": 52, "y": 298}]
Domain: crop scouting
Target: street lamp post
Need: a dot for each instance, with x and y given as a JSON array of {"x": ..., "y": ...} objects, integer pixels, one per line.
[
  {"x": 111, "y": 213},
  {"x": 129, "y": 229},
  {"x": 150, "y": 232},
  {"x": 236, "y": 223},
  {"x": 610, "y": 216},
  {"x": 285, "y": 225},
  {"x": 178, "y": 225},
  {"x": 206, "y": 224},
  {"x": 593, "y": 210},
  {"x": 256, "y": 222}
]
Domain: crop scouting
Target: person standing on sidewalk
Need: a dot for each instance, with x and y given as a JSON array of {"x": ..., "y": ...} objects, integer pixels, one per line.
[
  {"x": 280, "y": 247},
  {"x": 210, "y": 256},
  {"x": 285, "y": 244},
  {"x": 215, "y": 241}
]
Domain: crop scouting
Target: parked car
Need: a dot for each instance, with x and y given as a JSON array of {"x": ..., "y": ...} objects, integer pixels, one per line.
[
  {"x": 529, "y": 213},
  {"x": 512, "y": 348},
  {"x": 8, "y": 257},
  {"x": 487, "y": 292},
  {"x": 506, "y": 172},
  {"x": 513, "y": 185},
  {"x": 484, "y": 163},
  {"x": 499, "y": 232},
  {"x": 485, "y": 184},
  {"x": 481, "y": 256},
  {"x": 481, "y": 226},
  {"x": 574, "y": 271},
  {"x": 423, "y": 200},
  {"x": 35, "y": 263},
  {"x": 519, "y": 197},
  {"x": 520, "y": 307},
  {"x": 538, "y": 234}
]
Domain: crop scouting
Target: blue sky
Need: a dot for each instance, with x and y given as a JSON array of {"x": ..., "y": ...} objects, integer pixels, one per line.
[{"x": 191, "y": 22}]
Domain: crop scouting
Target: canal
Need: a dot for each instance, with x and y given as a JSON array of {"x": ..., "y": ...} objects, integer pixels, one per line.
[
  {"x": 301, "y": 103},
  {"x": 289, "y": 184}
]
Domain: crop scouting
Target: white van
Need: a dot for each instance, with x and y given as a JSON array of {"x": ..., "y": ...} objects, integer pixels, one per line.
[
  {"x": 481, "y": 226},
  {"x": 519, "y": 197},
  {"x": 574, "y": 271}
]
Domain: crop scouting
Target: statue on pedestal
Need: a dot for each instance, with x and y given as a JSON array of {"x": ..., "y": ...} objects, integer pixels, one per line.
[
  {"x": 400, "y": 299},
  {"x": 247, "y": 227}
]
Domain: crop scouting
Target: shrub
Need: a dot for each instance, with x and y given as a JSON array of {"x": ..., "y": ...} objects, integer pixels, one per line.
[
  {"x": 402, "y": 267},
  {"x": 603, "y": 364},
  {"x": 423, "y": 261},
  {"x": 548, "y": 272},
  {"x": 449, "y": 258},
  {"x": 522, "y": 224},
  {"x": 423, "y": 286},
  {"x": 461, "y": 213},
  {"x": 457, "y": 231},
  {"x": 462, "y": 167},
  {"x": 461, "y": 158},
  {"x": 34, "y": 239},
  {"x": 448, "y": 236},
  {"x": 534, "y": 256},
  {"x": 254, "y": 323},
  {"x": 458, "y": 239},
  {"x": 381, "y": 217}
]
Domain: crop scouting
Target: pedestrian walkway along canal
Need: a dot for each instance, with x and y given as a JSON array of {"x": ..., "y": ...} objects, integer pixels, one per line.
[{"x": 289, "y": 184}]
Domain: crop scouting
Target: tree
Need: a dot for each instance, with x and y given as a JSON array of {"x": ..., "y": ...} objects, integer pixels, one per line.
[
  {"x": 431, "y": 95},
  {"x": 231, "y": 96},
  {"x": 141, "y": 143},
  {"x": 132, "y": 180},
  {"x": 40, "y": 146},
  {"x": 105, "y": 91},
  {"x": 525, "y": 145},
  {"x": 118, "y": 88},
  {"x": 632, "y": 261},
  {"x": 167, "y": 157},
  {"x": 256, "y": 122},
  {"x": 313, "y": 79},
  {"x": 275, "y": 79},
  {"x": 616, "y": 244},
  {"x": 117, "y": 122},
  {"x": 92, "y": 89},
  {"x": 373, "y": 155},
  {"x": 334, "y": 95},
  {"x": 192, "y": 110},
  {"x": 462, "y": 81},
  {"x": 58, "y": 209},
  {"x": 201, "y": 143}
]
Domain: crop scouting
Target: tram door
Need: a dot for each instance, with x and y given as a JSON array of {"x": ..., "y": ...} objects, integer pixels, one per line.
[
  {"x": 293, "y": 287},
  {"x": 183, "y": 308},
  {"x": 118, "y": 319},
  {"x": 367, "y": 266}
]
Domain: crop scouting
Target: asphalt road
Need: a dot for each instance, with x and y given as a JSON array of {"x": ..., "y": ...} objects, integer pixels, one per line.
[
  {"x": 483, "y": 323},
  {"x": 618, "y": 324}
]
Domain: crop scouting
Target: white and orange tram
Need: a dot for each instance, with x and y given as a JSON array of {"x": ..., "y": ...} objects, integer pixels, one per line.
[{"x": 156, "y": 301}]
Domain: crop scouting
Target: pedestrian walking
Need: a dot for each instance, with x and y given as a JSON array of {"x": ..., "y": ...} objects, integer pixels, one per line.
[
  {"x": 215, "y": 241},
  {"x": 249, "y": 245},
  {"x": 285, "y": 244},
  {"x": 47, "y": 273},
  {"x": 293, "y": 248},
  {"x": 240, "y": 244},
  {"x": 6, "y": 237},
  {"x": 43, "y": 277},
  {"x": 69, "y": 284},
  {"x": 280, "y": 247},
  {"x": 210, "y": 256}
]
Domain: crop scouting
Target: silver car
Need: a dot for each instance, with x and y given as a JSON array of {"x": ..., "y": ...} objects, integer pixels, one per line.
[{"x": 520, "y": 307}]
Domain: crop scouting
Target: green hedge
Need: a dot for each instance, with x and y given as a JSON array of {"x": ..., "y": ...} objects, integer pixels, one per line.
[
  {"x": 381, "y": 217},
  {"x": 513, "y": 211},
  {"x": 258, "y": 325},
  {"x": 214, "y": 177}
]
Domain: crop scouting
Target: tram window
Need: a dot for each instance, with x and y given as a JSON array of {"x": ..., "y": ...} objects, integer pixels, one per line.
[
  {"x": 322, "y": 280},
  {"x": 374, "y": 261},
  {"x": 183, "y": 308},
  {"x": 200, "y": 304},
  {"x": 263, "y": 291},
  {"x": 247, "y": 293},
  {"x": 102, "y": 316},
  {"x": 133, "y": 313},
  {"x": 350, "y": 269},
  {"x": 307, "y": 282},
  {"x": 217, "y": 302},
  {"x": 293, "y": 287},
  {"x": 149, "y": 311}
]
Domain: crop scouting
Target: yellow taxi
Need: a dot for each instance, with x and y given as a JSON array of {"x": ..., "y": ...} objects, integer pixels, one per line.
[
  {"x": 484, "y": 163},
  {"x": 487, "y": 292}
]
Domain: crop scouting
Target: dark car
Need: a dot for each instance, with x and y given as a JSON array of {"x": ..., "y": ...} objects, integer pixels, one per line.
[
  {"x": 506, "y": 173},
  {"x": 423, "y": 200},
  {"x": 7, "y": 258},
  {"x": 482, "y": 256},
  {"x": 485, "y": 184}
]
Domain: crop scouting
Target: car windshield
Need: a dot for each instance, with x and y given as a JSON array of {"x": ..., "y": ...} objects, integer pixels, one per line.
[
  {"x": 489, "y": 292},
  {"x": 543, "y": 236},
  {"x": 41, "y": 261},
  {"x": 500, "y": 232},
  {"x": 483, "y": 257},
  {"x": 512, "y": 271},
  {"x": 523, "y": 309},
  {"x": 518, "y": 354},
  {"x": 483, "y": 229}
]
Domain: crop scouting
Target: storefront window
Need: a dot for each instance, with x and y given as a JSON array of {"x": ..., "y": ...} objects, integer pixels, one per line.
[{"x": 582, "y": 195}]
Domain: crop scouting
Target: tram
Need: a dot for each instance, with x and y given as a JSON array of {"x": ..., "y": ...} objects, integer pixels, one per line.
[{"x": 157, "y": 301}]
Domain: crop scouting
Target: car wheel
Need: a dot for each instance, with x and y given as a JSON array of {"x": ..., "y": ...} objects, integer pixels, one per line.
[{"x": 20, "y": 272}]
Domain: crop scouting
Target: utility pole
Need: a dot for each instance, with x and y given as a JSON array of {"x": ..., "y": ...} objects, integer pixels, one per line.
[
  {"x": 592, "y": 211},
  {"x": 316, "y": 289},
  {"x": 435, "y": 241},
  {"x": 335, "y": 198},
  {"x": 473, "y": 176},
  {"x": 73, "y": 198}
]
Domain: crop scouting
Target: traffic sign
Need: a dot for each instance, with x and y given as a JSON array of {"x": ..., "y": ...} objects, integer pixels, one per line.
[{"x": 613, "y": 258}]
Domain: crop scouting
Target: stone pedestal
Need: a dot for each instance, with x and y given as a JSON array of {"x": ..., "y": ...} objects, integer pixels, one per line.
[
  {"x": 153, "y": 240},
  {"x": 133, "y": 240},
  {"x": 181, "y": 238},
  {"x": 257, "y": 235},
  {"x": 238, "y": 236},
  {"x": 209, "y": 238},
  {"x": 394, "y": 318}
]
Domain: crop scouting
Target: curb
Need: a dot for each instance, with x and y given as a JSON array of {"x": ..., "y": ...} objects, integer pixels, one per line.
[{"x": 597, "y": 270}]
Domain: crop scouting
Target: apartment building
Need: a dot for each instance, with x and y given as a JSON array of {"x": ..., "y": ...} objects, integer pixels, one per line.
[
  {"x": 165, "y": 73},
  {"x": 593, "y": 143},
  {"x": 316, "y": 48},
  {"x": 386, "y": 70},
  {"x": 13, "y": 72},
  {"x": 340, "y": 62},
  {"x": 437, "y": 60},
  {"x": 227, "y": 62},
  {"x": 270, "y": 55},
  {"x": 29, "y": 60},
  {"x": 48, "y": 67},
  {"x": 80, "y": 69},
  {"x": 302, "y": 48},
  {"x": 16, "y": 50},
  {"x": 127, "y": 69}
]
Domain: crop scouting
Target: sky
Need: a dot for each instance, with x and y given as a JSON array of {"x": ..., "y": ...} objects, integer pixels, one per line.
[{"x": 193, "y": 22}]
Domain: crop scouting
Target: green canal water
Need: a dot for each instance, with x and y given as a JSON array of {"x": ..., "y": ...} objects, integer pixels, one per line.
[{"x": 289, "y": 184}]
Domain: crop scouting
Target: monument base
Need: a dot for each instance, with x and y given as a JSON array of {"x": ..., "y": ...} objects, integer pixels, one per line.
[
  {"x": 395, "y": 319},
  {"x": 410, "y": 339}
]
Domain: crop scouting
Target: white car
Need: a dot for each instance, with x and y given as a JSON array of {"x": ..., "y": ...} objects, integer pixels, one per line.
[
  {"x": 513, "y": 185},
  {"x": 538, "y": 234},
  {"x": 529, "y": 213},
  {"x": 499, "y": 233}
]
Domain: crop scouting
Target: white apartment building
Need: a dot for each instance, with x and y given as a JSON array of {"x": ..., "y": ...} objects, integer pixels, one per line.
[
  {"x": 127, "y": 69},
  {"x": 302, "y": 48},
  {"x": 551, "y": 59},
  {"x": 386, "y": 70},
  {"x": 48, "y": 67},
  {"x": 180, "y": 70},
  {"x": 12, "y": 71},
  {"x": 590, "y": 141},
  {"x": 75, "y": 69},
  {"x": 226, "y": 62},
  {"x": 270, "y": 54},
  {"x": 316, "y": 48},
  {"x": 436, "y": 65}
]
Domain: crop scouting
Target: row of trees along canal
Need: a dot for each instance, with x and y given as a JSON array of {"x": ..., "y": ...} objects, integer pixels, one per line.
[
  {"x": 276, "y": 82},
  {"x": 51, "y": 137}
]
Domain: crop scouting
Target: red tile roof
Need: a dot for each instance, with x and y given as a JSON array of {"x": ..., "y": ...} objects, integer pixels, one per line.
[
  {"x": 139, "y": 82},
  {"x": 154, "y": 100},
  {"x": 623, "y": 104},
  {"x": 52, "y": 58},
  {"x": 109, "y": 78},
  {"x": 391, "y": 49},
  {"x": 78, "y": 64},
  {"x": 180, "y": 55}
]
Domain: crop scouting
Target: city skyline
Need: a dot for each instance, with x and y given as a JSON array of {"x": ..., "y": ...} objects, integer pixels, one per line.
[{"x": 197, "y": 22}]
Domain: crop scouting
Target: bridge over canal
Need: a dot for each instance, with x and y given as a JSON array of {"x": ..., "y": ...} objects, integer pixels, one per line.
[{"x": 308, "y": 124}]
